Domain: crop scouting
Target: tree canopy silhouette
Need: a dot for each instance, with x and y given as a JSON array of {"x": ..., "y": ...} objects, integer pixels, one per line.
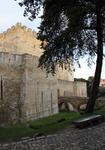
[{"x": 70, "y": 29}]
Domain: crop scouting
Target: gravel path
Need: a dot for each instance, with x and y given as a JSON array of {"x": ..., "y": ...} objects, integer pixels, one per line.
[{"x": 92, "y": 138}]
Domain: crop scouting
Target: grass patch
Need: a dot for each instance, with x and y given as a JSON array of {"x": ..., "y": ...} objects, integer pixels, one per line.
[
  {"x": 46, "y": 125},
  {"x": 16, "y": 131}
]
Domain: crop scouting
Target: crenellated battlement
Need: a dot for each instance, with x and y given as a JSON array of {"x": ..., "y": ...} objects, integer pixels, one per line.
[
  {"x": 18, "y": 26},
  {"x": 20, "y": 40}
]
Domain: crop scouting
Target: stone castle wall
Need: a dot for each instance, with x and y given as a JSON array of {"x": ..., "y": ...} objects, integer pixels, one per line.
[
  {"x": 25, "y": 92},
  {"x": 11, "y": 85},
  {"x": 72, "y": 89},
  {"x": 40, "y": 91}
]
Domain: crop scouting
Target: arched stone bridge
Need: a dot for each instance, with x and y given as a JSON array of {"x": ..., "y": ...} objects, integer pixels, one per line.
[{"x": 73, "y": 103}]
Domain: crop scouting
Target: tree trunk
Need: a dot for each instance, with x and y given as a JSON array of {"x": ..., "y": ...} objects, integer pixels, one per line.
[{"x": 96, "y": 82}]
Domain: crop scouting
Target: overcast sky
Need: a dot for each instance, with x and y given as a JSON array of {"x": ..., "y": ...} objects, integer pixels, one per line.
[{"x": 11, "y": 13}]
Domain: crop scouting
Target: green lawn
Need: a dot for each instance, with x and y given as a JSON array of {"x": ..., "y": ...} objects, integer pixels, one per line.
[{"x": 46, "y": 125}]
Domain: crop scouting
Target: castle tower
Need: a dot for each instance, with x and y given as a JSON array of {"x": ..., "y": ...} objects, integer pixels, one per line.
[{"x": 20, "y": 40}]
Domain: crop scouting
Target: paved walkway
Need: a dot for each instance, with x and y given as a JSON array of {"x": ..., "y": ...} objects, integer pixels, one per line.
[{"x": 92, "y": 138}]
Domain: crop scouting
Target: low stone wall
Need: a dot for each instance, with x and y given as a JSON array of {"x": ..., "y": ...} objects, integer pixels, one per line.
[{"x": 100, "y": 102}]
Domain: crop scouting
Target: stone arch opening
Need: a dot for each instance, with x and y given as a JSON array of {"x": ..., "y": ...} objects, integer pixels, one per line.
[{"x": 65, "y": 105}]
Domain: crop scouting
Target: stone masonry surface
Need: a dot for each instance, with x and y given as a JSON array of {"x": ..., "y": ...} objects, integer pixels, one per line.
[
  {"x": 92, "y": 138},
  {"x": 26, "y": 91}
]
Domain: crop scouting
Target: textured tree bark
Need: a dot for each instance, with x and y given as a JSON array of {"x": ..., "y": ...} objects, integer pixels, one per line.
[{"x": 96, "y": 82}]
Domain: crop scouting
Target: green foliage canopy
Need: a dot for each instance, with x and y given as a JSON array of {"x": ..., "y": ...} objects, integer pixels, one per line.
[
  {"x": 90, "y": 78},
  {"x": 69, "y": 29},
  {"x": 80, "y": 79}
]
